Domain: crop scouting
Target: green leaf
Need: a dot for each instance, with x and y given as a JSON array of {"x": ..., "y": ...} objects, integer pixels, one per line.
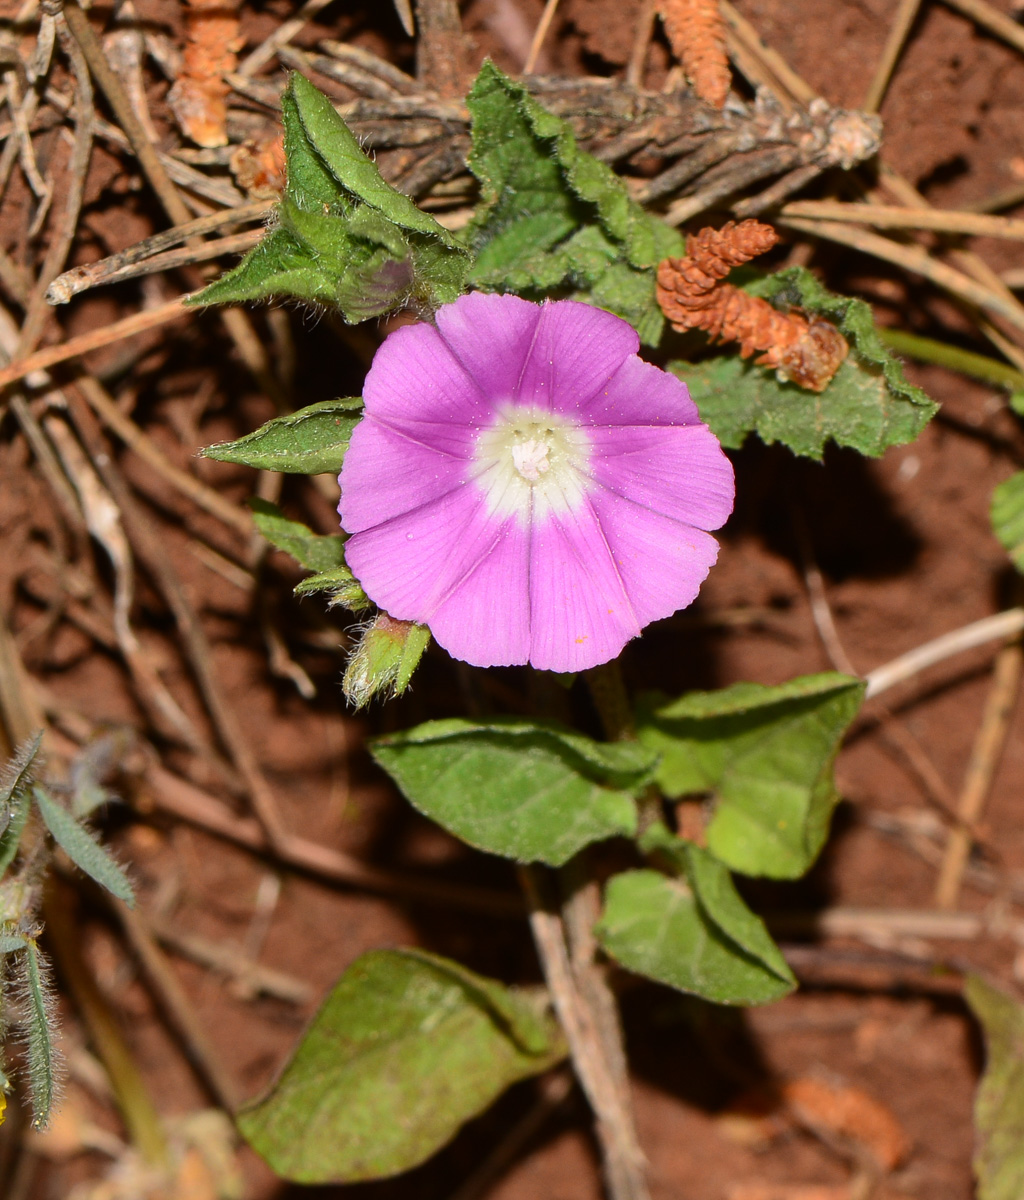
[
  {"x": 869, "y": 405},
  {"x": 551, "y": 214},
  {"x": 525, "y": 790},
  {"x": 999, "y": 1105},
  {"x": 407, "y": 1047},
  {"x": 39, "y": 1021},
  {"x": 20, "y": 808},
  {"x": 766, "y": 755},
  {"x": 385, "y": 659},
  {"x": 342, "y": 236},
  {"x": 86, "y": 853},
  {"x": 342, "y": 588},
  {"x": 315, "y": 551},
  {"x": 311, "y": 441},
  {"x": 661, "y": 928},
  {"x": 18, "y": 773},
  {"x": 1008, "y": 517}
]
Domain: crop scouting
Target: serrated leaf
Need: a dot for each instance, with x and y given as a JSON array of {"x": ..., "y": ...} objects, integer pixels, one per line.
[
  {"x": 869, "y": 405},
  {"x": 1008, "y": 517},
  {"x": 551, "y": 214},
  {"x": 383, "y": 662},
  {"x": 86, "y": 853},
  {"x": 529, "y": 791},
  {"x": 340, "y": 584},
  {"x": 310, "y": 441},
  {"x": 659, "y": 928},
  {"x": 407, "y": 1047},
  {"x": 999, "y": 1104},
  {"x": 315, "y": 551},
  {"x": 766, "y": 755}
]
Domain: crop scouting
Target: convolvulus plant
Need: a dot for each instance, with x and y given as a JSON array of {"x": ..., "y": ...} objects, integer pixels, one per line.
[{"x": 520, "y": 485}]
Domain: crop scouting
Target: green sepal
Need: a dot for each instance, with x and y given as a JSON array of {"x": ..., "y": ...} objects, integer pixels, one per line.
[
  {"x": 383, "y": 662},
  {"x": 341, "y": 586},
  {"x": 407, "y": 1047},
  {"x": 766, "y": 755},
  {"x": 869, "y": 405},
  {"x": 527, "y": 790},
  {"x": 310, "y": 441}
]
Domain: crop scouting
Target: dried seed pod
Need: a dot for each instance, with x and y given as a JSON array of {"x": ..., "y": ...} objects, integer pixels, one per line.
[
  {"x": 198, "y": 98},
  {"x": 696, "y": 32},
  {"x": 691, "y": 294}
]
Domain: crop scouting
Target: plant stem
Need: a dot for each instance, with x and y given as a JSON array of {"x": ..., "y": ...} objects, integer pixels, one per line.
[
  {"x": 585, "y": 1026},
  {"x": 977, "y": 366}
]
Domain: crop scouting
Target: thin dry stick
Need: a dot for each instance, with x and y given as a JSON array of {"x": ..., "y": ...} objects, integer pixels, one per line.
[
  {"x": 821, "y": 610},
  {"x": 624, "y": 1163},
  {"x": 540, "y": 33},
  {"x": 641, "y": 44},
  {"x": 914, "y": 259},
  {"x": 888, "y": 922},
  {"x": 61, "y": 238},
  {"x": 906, "y": 666},
  {"x": 788, "y": 81},
  {"x": 440, "y": 47},
  {"x": 178, "y": 1009},
  {"x": 991, "y": 19},
  {"x": 115, "y": 268},
  {"x": 189, "y": 803},
  {"x": 152, "y": 555},
  {"x": 281, "y": 36},
  {"x": 74, "y": 347},
  {"x": 197, "y": 491},
  {"x": 981, "y": 769},
  {"x": 893, "y": 217},
  {"x": 904, "y": 19}
]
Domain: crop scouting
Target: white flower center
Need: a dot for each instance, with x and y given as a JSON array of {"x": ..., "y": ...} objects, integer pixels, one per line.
[{"x": 532, "y": 462}]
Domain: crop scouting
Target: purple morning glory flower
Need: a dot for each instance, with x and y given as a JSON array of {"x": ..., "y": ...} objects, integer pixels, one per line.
[{"x": 527, "y": 486}]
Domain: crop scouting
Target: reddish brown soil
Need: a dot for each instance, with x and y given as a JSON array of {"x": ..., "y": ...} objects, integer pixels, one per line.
[{"x": 907, "y": 553}]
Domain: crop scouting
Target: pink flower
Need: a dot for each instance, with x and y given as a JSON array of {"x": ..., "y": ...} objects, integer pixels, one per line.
[{"x": 527, "y": 486}]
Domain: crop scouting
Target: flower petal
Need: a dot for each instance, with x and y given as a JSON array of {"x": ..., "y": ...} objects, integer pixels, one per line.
[
  {"x": 662, "y": 562},
  {"x": 580, "y": 612},
  {"x": 577, "y": 351},
  {"x": 641, "y": 394},
  {"x": 387, "y": 472},
  {"x": 416, "y": 377},
  {"x": 451, "y": 566},
  {"x": 679, "y": 471},
  {"x": 491, "y": 336}
]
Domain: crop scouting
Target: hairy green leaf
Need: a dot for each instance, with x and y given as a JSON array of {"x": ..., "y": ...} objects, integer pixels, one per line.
[
  {"x": 407, "y": 1047},
  {"x": 766, "y": 755},
  {"x": 999, "y": 1105},
  {"x": 310, "y": 441},
  {"x": 384, "y": 661},
  {"x": 342, "y": 235},
  {"x": 10, "y": 840},
  {"x": 83, "y": 850},
  {"x": 663, "y": 929},
  {"x": 553, "y": 215},
  {"x": 1008, "y": 517},
  {"x": 315, "y": 551},
  {"x": 341, "y": 586},
  {"x": 18, "y": 774},
  {"x": 869, "y": 405},
  {"x": 38, "y": 1023},
  {"x": 525, "y": 790}
]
